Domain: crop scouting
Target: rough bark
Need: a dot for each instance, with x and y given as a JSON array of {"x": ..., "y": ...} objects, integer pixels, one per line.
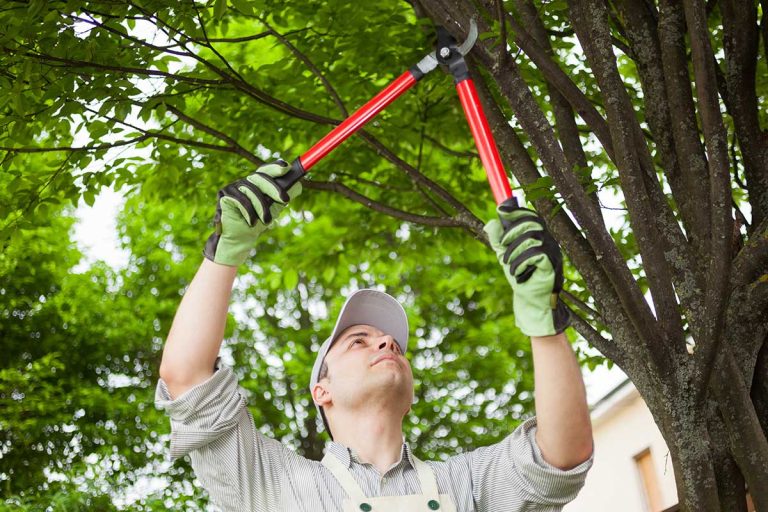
[
  {"x": 710, "y": 335},
  {"x": 683, "y": 125},
  {"x": 731, "y": 488},
  {"x": 746, "y": 439},
  {"x": 741, "y": 46},
  {"x": 684, "y": 427}
]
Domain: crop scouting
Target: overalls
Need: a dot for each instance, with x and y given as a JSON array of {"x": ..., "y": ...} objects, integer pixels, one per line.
[{"x": 428, "y": 501}]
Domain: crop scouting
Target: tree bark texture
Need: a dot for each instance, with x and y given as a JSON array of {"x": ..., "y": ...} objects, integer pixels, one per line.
[{"x": 698, "y": 356}]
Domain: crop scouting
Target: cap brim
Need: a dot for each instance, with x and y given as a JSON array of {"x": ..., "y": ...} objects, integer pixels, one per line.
[{"x": 375, "y": 308}]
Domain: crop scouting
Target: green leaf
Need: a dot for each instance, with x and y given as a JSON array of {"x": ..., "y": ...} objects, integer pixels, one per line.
[
  {"x": 244, "y": 6},
  {"x": 219, "y": 8},
  {"x": 290, "y": 279}
]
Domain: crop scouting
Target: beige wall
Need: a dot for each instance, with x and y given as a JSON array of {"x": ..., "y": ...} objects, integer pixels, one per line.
[{"x": 623, "y": 428}]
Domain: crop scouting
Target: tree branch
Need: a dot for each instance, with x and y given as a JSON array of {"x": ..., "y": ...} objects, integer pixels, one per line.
[
  {"x": 642, "y": 34},
  {"x": 751, "y": 263},
  {"x": 250, "y": 38},
  {"x": 567, "y": 129},
  {"x": 96, "y": 147},
  {"x": 382, "y": 208},
  {"x": 72, "y": 63},
  {"x": 557, "y": 78},
  {"x": 685, "y": 131},
  {"x": 92, "y": 21},
  {"x": 236, "y": 147},
  {"x": 311, "y": 66},
  {"x": 474, "y": 224},
  {"x": 590, "y": 21},
  {"x": 582, "y": 306},
  {"x": 606, "y": 347},
  {"x": 364, "y": 181},
  {"x": 741, "y": 43},
  {"x": 162, "y": 136},
  {"x": 449, "y": 151},
  {"x": 235, "y": 79},
  {"x": 716, "y": 142},
  {"x": 641, "y": 31}
]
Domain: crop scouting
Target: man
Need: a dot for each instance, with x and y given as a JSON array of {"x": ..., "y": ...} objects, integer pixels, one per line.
[{"x": 363, "y": 387}]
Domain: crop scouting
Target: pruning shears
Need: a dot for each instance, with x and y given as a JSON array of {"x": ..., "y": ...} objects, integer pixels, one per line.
[{"x": 449, "y": 54}]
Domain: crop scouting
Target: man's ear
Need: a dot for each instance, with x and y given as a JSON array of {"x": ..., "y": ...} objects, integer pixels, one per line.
[{"x": 321, "y": 394}]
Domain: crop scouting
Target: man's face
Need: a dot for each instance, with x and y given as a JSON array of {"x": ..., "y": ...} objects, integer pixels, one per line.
[{"x": 365, "y": 366}]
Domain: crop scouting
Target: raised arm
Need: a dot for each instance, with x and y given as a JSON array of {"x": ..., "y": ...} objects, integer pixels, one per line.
[
  {"x": 564, "y": 430},
  {"x": 198, "y": 328},
  {"x": 244, "y": 209},
  {"x": 532, "y": 263}
]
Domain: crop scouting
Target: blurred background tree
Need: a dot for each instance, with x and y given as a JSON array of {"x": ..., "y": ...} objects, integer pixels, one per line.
[{"x": 659, "y": 200}]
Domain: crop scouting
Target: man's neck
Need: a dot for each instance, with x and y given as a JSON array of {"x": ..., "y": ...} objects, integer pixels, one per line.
[{"x": 376, "y": 439}]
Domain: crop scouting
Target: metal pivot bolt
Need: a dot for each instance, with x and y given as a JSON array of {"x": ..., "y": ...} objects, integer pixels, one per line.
[{"x": 445, "y": 52}]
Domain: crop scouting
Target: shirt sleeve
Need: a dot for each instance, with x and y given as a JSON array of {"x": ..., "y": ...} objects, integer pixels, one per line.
[
  {"x": 238, "y": 466},
  {"x": 513, "y": 472}
]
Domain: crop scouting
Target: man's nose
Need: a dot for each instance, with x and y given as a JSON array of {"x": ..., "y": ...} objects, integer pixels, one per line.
[{"x": 388, "y": 342}]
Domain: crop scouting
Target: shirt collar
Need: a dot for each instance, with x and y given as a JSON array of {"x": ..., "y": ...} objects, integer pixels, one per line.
[{"x": 347, "y": 455}]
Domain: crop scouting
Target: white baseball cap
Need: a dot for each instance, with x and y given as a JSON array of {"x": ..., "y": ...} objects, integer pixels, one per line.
[{"x": 369, "y": 307}]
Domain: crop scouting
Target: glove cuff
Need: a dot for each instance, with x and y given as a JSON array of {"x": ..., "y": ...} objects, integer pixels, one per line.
[
  {"x": 561, "y": 317},
  {"x": 533, "y": 321},
  {"x": 218, "y": 251}
]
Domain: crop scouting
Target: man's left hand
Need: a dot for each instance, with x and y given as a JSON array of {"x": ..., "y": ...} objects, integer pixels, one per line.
[{"x": 533, "y": 265}]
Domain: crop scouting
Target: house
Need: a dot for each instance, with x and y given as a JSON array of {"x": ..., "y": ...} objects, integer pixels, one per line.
[{"x": 633, "y": 469}]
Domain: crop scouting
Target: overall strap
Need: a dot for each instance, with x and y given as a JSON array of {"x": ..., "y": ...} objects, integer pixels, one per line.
[
  {"x": 426, "y": 479},
  {"x": 344, "y": 477}
]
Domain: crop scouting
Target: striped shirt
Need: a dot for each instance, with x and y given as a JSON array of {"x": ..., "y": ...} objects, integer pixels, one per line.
[{"x": 243, "y": 470}]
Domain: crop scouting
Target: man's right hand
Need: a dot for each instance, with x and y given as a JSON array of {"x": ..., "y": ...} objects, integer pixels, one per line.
[{"x": 244, "y": 210}]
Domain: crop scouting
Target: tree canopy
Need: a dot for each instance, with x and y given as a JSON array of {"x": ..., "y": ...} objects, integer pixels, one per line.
[{"x": 633, "y": 127}]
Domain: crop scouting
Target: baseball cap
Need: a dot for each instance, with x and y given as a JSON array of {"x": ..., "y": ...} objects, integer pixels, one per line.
[{"x": 369, "y": 307}]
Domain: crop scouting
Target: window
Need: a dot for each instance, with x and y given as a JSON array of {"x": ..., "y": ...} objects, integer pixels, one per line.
[{"x": 645, "y": 467}]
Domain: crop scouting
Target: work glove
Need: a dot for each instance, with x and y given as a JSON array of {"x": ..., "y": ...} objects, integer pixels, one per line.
[
  {"x": 533, "y": 265},
  {"x": 244, "y": 210}
]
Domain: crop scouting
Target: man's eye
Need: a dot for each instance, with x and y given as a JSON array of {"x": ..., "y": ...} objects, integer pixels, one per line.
[{"x": 358, "y": 340}]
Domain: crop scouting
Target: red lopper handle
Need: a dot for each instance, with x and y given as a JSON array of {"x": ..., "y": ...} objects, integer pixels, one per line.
[
  {"x": 353, "y": 123},
  {"x": 486, "y": 146}
]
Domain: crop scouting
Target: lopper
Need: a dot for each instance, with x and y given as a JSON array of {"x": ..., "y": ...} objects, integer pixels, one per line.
[{"x": 449, "y": 54}]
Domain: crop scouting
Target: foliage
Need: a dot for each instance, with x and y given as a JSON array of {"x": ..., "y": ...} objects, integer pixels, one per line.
[
  {"x": 89, "y": 342},
  {"x": 170, "y": 102}
]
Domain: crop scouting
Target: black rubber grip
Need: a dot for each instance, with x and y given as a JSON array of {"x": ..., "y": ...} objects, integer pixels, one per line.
[
  {"x": 289, "y": 179},
  {"x": 508, "y": 205}
]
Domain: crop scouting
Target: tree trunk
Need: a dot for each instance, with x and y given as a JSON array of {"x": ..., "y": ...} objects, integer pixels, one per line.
[{"x": 711, "y": 406}]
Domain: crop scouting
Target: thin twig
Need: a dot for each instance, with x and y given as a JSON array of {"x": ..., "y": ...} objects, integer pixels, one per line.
[
  {"x": 77, "y": 148},
  {"x": 240, "y": 150},
  {"x": 582, "y": 306},
  {"x": 452, "y": 152},
  {"x": 382, "y": 208},
  {"x": 311, "y": 66}
]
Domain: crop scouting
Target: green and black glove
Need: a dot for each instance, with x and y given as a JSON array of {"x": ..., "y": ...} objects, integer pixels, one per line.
[
  {"x": 244, "y": 210},
  {"x": 533, "y": 264}
]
